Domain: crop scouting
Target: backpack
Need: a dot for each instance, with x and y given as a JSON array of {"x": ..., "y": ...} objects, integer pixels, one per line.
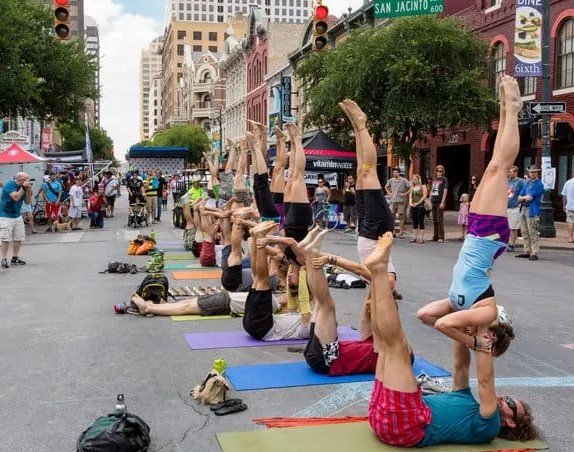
[
  {"x": 124, "y": 432},
  {"x": 118, "y": 267},
  {"x": 212, "y": 389},
  {"x": 154, "y": 287},
  {"x": 155, "y": 264}
]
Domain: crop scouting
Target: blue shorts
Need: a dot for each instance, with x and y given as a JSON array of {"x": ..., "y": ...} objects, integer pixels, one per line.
[{"x": 470, "y": 279}]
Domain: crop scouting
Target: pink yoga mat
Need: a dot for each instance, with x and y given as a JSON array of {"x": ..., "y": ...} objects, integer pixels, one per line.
[{"x": 240, "y": 339}]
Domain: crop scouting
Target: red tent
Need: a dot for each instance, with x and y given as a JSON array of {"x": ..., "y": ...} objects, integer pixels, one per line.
[{"x": 16, "y": 154}]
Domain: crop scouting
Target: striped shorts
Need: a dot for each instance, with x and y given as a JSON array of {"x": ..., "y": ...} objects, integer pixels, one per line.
[{"x": 491, "y": 227}]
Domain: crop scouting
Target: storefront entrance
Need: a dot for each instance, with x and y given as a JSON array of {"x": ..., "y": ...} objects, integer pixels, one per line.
[{"x": 456, "y": 162}]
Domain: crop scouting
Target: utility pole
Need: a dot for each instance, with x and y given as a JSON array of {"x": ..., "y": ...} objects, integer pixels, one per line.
[{"x": 547, "y": 228}]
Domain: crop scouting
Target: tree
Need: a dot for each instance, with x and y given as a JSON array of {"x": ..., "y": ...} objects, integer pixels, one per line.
[
  {"x": 74, "y": 139},
  {"x": 40, "y": 76},
  {"x": 191, "y": 137},
  {"x": 415, "y": 76}
]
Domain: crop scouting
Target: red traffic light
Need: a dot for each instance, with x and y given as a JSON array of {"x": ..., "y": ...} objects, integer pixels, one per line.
[
  {"x": 61, "y": 2},
  {"x": 321, "y": 12}
]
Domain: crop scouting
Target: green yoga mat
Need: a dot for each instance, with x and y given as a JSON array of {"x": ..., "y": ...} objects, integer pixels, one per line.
[
  {"x": 182, "y": 265},
  {"x": 179, "y": 256},
  {"x": 183, "y": 318},
  {"x": 341, "y": 438}
]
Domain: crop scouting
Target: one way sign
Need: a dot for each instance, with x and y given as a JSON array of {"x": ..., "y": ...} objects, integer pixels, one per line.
[{"x": 541, "y": 108}]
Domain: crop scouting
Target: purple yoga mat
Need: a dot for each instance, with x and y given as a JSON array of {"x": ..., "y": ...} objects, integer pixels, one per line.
[{"x": 239, "y": 339}]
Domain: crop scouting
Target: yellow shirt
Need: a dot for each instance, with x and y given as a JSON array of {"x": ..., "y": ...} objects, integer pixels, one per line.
[{"x": 302, "y": 303}]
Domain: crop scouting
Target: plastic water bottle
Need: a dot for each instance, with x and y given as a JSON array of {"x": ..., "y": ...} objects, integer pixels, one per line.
[
  {"x": 152, "y": 236},
  {"x": 120, "y": 405}
]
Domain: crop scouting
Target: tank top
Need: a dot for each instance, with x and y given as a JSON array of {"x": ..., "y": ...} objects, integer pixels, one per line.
[
  {"x": 417, "y": 194},
  {"x": 321, "y": 195}
]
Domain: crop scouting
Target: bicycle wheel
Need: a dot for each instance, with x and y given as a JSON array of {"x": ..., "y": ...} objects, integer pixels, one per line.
[
  {"x": 40, "y": 218},
  {"x": 322, "y": 220}
]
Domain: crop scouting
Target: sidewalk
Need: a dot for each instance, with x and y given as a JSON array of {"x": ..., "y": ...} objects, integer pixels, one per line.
[{"x": 452, "y": 232}]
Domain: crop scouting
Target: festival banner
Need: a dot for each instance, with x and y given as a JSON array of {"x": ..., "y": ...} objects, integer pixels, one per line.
[{"x": 528, "y": 38}]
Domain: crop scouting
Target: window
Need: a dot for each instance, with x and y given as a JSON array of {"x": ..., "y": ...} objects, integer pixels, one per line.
[
  {"x": 211, "y": 17},
  {"x": 180, "y": 49},
  {"x": 210, "y": 8},
  {"x": 527, "y": 85},
  {"x": 181, "y": 16},
  {"x": 220, "y": 9},
  {"x": 181, "y": 34},
  {"x": 197, "y": 49},
  {"x": 213, "y": 36},
  {"x": 220, "y": 19},
  {"x": 207, "y": 101},
  {"x": 213, "y": 49},
  {"x": 203, "y": 17},
  {"x": 188, "y": 16},
  {"x": 498, "y": 64},
  {"x": 197, "y": 35},
  {"x": 565, "y": 55},
  {"x": 206, "y": 77}
]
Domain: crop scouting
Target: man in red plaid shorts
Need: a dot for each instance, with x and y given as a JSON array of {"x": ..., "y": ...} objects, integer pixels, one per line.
[{"x": 400, "y": 415}]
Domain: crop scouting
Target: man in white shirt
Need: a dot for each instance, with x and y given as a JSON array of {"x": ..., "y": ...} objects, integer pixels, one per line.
[
  {"x": 568, "y": 200},
  {"x": 76, "y": 203},
  {"x": 110, "y": 191}
]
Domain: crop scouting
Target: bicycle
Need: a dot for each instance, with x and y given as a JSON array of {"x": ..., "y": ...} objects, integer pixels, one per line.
[
  {"x": 321, "y": 217},
  {"x": 39, "y": 213}
]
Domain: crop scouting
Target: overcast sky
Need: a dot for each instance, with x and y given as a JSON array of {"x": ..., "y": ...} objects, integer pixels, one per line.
[{"x": 126, "y": 27}]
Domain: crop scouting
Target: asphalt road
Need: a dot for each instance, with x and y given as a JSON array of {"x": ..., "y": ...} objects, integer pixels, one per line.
[{"x": 65, "y": 354}]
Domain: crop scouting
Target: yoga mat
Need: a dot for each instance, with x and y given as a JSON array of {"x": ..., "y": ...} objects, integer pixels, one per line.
[
  {"x": 240, "y": 339},
  {"x": 288, "y": 375},
  {"x": 198, "y": 274},
  {"x": 182, "y": 318},
  {"x": 179, "y": 256},
  {"x": 182, "y": 265},
  {"x": 355, "y": 436}
]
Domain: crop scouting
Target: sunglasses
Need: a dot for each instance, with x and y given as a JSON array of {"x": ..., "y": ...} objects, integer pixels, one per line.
[{"x": 512, "y": 405}]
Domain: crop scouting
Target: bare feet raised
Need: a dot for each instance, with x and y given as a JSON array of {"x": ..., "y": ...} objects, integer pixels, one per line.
[
  {"x": 310, "y": 236},
  {"x": 293, "y": 131},
  {"x": 511, "y": 93},
  {"x": 281, "y": 136},
  {"x": 378, "y": 260},
  {"x": 354, "y": 113},
  {"x": 263, "y": 228},
  {"x": 313, "y": 248},
  {"x": 259, "y": 129}
]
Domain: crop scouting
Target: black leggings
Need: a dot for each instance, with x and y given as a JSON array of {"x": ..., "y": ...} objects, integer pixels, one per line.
[
  {"x": 264, "y": 198},
  {"x": 418, "y": 214},
  {"x": 373, "y": 213}
]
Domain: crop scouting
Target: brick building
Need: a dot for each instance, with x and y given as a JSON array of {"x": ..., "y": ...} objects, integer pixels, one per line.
[{"x": 468, "y": 151}]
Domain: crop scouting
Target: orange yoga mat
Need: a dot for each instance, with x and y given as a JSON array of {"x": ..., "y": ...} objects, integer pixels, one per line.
[{"x": 198, "y": 274}]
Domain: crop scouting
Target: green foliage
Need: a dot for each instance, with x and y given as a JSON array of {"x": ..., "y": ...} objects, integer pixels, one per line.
[
  {"x": 40, "y": 76},
  {"x": 73, "y": 139},
  {"x": 191, "y": 137},
  {"x": 414, "y": 76}
]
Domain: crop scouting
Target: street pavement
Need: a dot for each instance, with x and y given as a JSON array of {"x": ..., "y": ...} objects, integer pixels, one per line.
[{"x": 65, "y": 354}]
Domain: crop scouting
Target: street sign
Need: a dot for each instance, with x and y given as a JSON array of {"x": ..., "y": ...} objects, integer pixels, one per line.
[
  {"x": 397, "y": 8},
  {"x": 541, "y": 108}
]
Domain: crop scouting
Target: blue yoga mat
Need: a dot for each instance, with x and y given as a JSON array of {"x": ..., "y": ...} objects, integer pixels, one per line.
[{"x": 288, "y": 375}]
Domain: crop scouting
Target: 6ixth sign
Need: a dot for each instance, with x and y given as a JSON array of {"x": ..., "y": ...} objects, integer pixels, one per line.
[{"x": 397, "y": 8}]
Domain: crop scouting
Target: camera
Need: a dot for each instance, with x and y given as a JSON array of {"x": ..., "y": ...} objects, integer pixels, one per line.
[{"x": 32, "y": 180}]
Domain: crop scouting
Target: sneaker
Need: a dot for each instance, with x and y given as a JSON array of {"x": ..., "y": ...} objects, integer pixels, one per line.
[
  {"x": 523, "y": 256},
  {"x": 5, "y": 263},
  {"x": 17, "y": 261},
  {"x": 533, "y": 257},
  {"x": 431, "y": 385},
  {"x": 510, "y": 248}
]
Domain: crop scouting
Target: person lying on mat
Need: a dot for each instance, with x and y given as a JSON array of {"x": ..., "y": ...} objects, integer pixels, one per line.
[
  {"x": 471, "y": 300},
  {"x": 221, "y": 303},
  {"x": 398, "y": 413},
  {"x": 259, "y": 320}
]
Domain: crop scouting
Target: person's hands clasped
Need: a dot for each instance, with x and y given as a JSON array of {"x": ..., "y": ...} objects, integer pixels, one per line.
[
  {"x": 262, "y": 242},
  {"x": 320, "y": 261},
  {"x": 483, "y": 341}
]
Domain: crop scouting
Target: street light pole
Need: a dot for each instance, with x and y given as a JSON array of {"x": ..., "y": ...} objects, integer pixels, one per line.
[
  {"x": 547, "y": 228},
  {"x": 220, "y": 135}
]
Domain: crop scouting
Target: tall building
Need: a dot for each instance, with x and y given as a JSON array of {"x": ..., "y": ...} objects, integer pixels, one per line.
[
  {"x": 200, "y": 38},
  {"x": 92, "y": 43},
  {"x": 150, "y": 67},
  {"x": 287, "y": 11}
]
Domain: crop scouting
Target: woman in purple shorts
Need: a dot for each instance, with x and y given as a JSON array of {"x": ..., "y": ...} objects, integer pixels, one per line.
[{"x": 471, "y": 301}]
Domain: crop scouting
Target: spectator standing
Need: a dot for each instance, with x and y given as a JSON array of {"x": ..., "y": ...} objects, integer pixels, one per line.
[
  {"x": 349, "y": 204},
  {"x": 174, "y": 188},
  {"x": 322, "y": 197},
  {"x": 111, "y": 184},
  {"x": 473, "y": 187},
  {"x": 76, "y": 204},
  {"x": 530, "y": 199},
  {"x": 52, "y": 192},
  {"x": 398, "y": 189},
  {"x": 568, "y": 201},
  {"x": 515, "y": 186},
  {"x": 417, "y": 196},
  {"x": 462, "y": 219},
  {"x": 14, "y": 194},
  {"x": 150, "y": 187},
  {"x": 28, "y": 215},
  {"x": 161, "y": 186},
  {"x": 96, "y": 208},
  {"x": 439, "y": 190}
]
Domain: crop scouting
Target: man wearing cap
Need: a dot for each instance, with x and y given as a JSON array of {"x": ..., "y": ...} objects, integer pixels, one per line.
[{"x": 530, "y": 198}]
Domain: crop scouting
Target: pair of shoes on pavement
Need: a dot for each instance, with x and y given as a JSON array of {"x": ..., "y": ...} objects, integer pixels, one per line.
[
  {"x": 228, "y": 406},
  {"x": 532, "y": 257},
  {"x": 14, "y": 261}
]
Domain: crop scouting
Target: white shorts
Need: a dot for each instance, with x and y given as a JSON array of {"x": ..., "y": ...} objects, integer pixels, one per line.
[
  {"x": 366, "y": 246},
  {"x": 75, "y": 212},
  {"x": 12, "y": 229},
  {"x": 570, "y": 216},
  {"x": 513, "y": 218}
]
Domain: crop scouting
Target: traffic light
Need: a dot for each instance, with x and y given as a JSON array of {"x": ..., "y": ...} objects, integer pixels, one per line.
[
  {"x": 62, "y": 15},
  {"x": 320, "y": 27}
]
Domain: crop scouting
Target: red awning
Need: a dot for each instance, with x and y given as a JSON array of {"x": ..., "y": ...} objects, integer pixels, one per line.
[{"x": 16, "y": 154}]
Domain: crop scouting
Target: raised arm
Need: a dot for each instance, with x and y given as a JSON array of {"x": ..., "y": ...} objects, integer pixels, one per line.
[
  {"x": 347, "y": 264},
  {"x": 461, "y": 366}
]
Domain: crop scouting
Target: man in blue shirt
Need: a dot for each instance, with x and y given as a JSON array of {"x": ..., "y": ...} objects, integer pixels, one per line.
[
  {"x": 530, "y": 199},
  {"x": 15, "y": 192},
  {"x": 515, "y": 186},
  {"x": 52, "y": 191},
  {"x": 399, "y": 414}
]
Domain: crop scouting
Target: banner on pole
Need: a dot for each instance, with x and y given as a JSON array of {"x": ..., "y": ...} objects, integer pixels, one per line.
[
  {"x": 88, "y": 150},
  {"x": 528, "y": 38}
]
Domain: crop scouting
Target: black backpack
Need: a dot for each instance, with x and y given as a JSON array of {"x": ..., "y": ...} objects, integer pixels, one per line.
[
  {"x": 117, "y": 432},
  {"x": 154, "y": 287}
]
